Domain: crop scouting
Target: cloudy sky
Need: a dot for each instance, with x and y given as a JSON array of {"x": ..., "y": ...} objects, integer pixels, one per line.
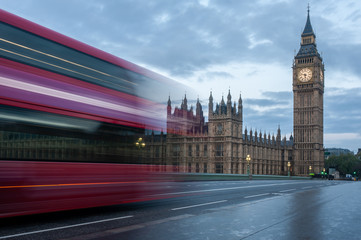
[{"x": 245, "y": 46}]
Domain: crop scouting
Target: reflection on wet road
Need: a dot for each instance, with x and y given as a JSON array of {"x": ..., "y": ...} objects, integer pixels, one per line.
[{"x": 212, "y": 210}]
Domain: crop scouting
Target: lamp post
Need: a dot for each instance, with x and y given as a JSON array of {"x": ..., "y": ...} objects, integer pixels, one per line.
[
  {"x": 289, "y": 165},
  {"x": 248, "y": 159},
  {"x": 310, "y": 168}
]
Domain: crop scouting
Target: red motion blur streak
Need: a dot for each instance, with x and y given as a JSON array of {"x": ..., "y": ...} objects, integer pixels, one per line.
[
  {"x": 69, "y": 184},
  {"x": 145, "y": 113},
  {"x": 38, "y": 187}
]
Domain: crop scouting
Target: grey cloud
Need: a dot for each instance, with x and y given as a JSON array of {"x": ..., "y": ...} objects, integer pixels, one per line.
[
  {"x": 263, "y": 102},
  {"x": 184, "y": 44},
  {"x": 252, "y": 73},
  {"x": 219, "y": 75},
  {"x": 271, "y": 99},
  {"x": 270, "y": 120},
  {"x": 285, "y": 95},
  {"x": 276, "y": 109},
  {"x": 343, "y": 58},
  {"x": 354, "y": 16},
  {"x": 210, "y": 76},
  {"x": 342, "y": 111}
]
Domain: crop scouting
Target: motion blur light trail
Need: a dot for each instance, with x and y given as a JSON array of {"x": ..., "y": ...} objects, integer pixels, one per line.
[{"x": 70, "y": 118}]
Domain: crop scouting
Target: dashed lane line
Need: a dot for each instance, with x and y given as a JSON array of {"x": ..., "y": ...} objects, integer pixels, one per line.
[
  {"x": 287, "y": 190},
  {"x": 198, "y": 205},
  {"x": 64, "y": 227}
]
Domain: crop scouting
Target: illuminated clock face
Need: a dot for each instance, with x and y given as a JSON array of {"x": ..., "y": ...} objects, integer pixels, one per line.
[{"x": 305, "y": 75}]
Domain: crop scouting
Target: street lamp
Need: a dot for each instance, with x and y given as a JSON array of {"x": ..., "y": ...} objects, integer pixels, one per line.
[
  {"x": 289, "y": 165},
  {"x": 248, "y": 159},
  {"x": 310, "y": 168},
  {"x": 139, "y": 143}
]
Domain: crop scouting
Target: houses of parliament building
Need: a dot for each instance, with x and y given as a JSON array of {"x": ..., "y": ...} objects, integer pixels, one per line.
[{"x": 221, "y": 146}]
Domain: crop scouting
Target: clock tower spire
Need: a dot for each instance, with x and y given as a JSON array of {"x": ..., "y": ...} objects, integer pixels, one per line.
[{"x": 308, "y": 88}]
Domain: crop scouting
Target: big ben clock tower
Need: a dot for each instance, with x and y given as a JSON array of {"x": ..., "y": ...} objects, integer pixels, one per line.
[{"x": 308, "y": 88}]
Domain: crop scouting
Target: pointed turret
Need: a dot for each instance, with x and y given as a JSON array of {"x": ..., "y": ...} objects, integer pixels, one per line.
[
  {"x": 229, "y": 97},
  {"x": 260, "y": 137},
  {"x": 278, "y": 134},
  {"x": 308, "y": 31},
  {"x": 210, "y": 106},
  {"x": 199, "y": 111},
  {"x": 222, "y": 102},
  {"x": 240, "y": 106},
  {"x": 229, "y": 103},
  {"x": 218, "y": 110},
  {"x": 234, "y": 107},
  {"x": 308, "y": 40},
  {"x": 185, "y": 102},
  {"x": 169, "y": 107},
  {"x": 198, "y": 106},
  {"x": 223, "y": 107},
  {"x": 291, "y": 139}
]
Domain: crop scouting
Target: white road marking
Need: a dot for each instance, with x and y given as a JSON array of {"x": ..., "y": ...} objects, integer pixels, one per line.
[
  {"x": 258, "y": 195},
  {"x": 229, "y": 188},
  {"x": 151, "y": 223},
  {"x": 278, "y": 194},
  {"x": 64, "y": 227},
  {"x": 111, "y": 232},
  {"x": 306, "y": 187},
  {"x": 198, "y": 205},
  {"x": 288, "y": 190}
]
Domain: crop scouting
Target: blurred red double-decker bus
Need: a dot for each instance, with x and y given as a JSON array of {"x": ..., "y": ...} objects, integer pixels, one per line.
[{"x": 72, "y": 123}]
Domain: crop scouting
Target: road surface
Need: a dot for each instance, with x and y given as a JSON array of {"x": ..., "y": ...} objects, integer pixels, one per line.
[{"x": 272, "y": 209}]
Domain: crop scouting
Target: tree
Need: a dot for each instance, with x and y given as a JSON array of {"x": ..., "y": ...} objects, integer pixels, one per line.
[
  {"x": 358, "y": 154},
  {"x": 345, "y": 164}
]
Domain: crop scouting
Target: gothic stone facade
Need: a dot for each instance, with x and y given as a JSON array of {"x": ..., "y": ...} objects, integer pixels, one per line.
[{"x": 219, "y": 145}]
